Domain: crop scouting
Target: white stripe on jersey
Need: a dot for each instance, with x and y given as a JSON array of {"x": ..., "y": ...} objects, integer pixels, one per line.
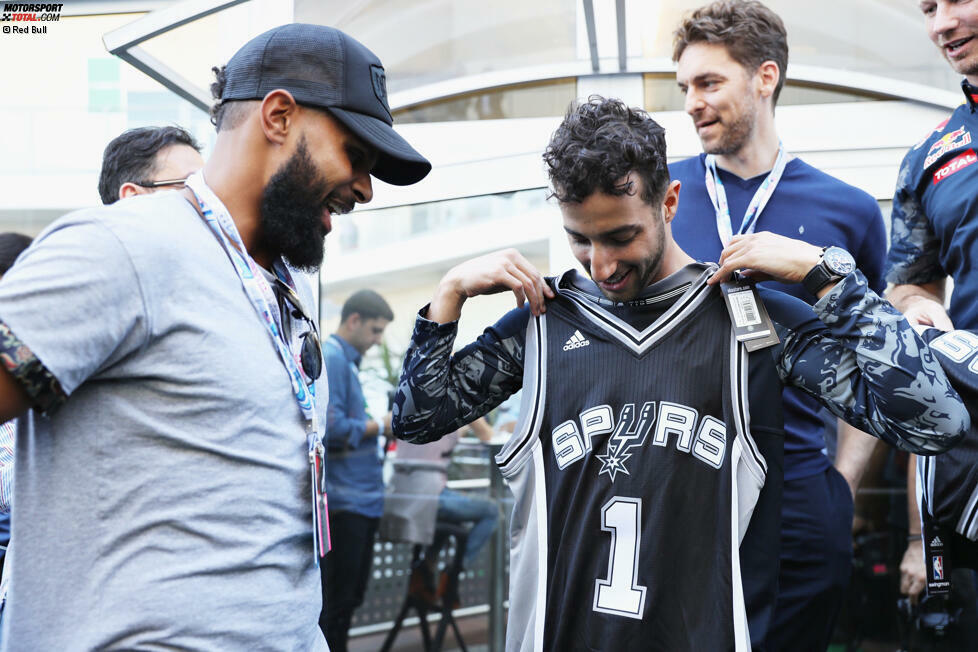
[
  {"x": 526, "y": 433},
  {"x": 741, "y": 630},
  {"x": 740, "y": 368}
]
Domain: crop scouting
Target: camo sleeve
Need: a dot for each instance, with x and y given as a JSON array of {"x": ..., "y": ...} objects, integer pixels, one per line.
[
  {"x": 914, "y": 247},
  {"x": 865, "y": 363},
  {"x": 440, "y": 392}
]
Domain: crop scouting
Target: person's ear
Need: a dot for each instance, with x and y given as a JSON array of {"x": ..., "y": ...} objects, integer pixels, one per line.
[
  {"x": 766, "y": 78},
  {"x": 670, "y": 203},
  {"x": 277, "y": 115},
  {"x": 128, "y": 189}
]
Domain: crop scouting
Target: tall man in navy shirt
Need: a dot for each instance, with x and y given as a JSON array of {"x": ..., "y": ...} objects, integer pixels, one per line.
[
  {"x": 354, "y": 469},
  {"x": 731, "y": 61}
]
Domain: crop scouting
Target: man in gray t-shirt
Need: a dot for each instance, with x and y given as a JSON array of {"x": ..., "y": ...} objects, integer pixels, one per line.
[{"x": 163, "y": 481}]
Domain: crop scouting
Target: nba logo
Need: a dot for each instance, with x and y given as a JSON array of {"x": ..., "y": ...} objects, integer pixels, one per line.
[{"x": 938, "y": 567}]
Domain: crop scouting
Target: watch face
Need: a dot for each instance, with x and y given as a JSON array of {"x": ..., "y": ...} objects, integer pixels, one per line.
[{"x": 839, "y": 261}]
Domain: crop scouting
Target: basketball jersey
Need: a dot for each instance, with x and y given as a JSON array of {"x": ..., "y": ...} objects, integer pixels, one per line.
[
  {"x": 635, "y": 476},
  {"x": 949, "y": 481}
]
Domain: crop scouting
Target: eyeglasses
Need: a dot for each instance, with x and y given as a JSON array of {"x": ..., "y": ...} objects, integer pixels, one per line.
[
  {"x": 311, "y": 354},
  {"x": 159, "y": 184}
]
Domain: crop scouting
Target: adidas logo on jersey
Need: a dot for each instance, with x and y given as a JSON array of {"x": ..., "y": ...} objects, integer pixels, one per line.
[
  {"x": 576, "y": 341},
  {"x": 936, "y": 543}
]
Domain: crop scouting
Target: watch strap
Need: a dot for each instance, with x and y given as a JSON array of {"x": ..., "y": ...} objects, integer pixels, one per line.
[{"x": 819, "y": 276}]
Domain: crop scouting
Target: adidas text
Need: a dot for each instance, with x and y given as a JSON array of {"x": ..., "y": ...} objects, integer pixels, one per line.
[{"x": 576, "y": 341}]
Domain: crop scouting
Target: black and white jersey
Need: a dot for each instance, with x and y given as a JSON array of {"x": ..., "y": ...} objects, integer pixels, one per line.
[
  {"x": 630, "y": 442},
  {"x": 624, "y": 381},
  {"x": 949, "y": 481}
]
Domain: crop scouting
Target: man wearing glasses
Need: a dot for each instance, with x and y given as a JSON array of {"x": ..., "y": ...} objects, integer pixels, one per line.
[{"x": 144, "y": 160}]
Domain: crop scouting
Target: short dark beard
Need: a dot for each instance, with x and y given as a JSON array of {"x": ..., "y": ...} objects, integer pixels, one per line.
[
  {"x": 735, "y": 135},
  {"x": 291, "y": 212},
  {"x": 654, "y": 260}
]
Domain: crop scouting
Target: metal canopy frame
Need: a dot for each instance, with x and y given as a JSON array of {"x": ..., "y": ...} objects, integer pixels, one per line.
[{"x": 125, "y": 43}]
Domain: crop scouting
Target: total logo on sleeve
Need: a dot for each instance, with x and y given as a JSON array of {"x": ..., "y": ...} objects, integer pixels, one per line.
[{"x": 956, "y": 164}]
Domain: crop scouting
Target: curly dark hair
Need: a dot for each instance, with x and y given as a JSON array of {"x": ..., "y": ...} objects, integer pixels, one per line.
[
  {"x": 225, "y": 114},
  {"x": 131, "y": 157},
  {"x": 751, "y": 32},
  {"x": 598, "y": 143}
]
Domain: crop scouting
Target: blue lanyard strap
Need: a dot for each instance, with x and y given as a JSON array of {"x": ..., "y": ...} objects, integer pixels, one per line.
[
  {"x": 258, "y": 290},
  {"x": 714, "y": 187}
]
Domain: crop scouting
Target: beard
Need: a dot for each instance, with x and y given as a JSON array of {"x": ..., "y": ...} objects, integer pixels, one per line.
[
  {"x": 966, "y": 67},
  {"x": 291, "y": 212},
  {"x": 736, "y": 134},
  {"x": 644, "y": 272}
]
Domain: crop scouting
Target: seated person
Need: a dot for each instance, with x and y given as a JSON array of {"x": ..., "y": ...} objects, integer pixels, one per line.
[{"x": 453, "y": 507}]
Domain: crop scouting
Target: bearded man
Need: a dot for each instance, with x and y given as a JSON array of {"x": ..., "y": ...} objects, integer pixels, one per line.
[{"x": 166, "y": 477}]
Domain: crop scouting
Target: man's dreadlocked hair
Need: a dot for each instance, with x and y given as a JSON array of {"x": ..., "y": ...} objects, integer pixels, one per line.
[{"x": 226, "y": 114}]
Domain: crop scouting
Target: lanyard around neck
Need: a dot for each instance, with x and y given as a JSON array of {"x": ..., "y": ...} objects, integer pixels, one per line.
[
  {"x": 256, "y": 287},
  {"x": 714, "y": 187}
]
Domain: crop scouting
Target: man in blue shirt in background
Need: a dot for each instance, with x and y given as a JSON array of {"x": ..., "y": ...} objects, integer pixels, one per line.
[
  {"x": 354, "y": 468},
  {"x": 731, "y": 60}
]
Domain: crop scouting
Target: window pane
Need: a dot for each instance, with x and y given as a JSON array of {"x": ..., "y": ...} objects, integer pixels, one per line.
[
  {"x": 541, "y": 99},
  {"x": 431, "y": 41}
]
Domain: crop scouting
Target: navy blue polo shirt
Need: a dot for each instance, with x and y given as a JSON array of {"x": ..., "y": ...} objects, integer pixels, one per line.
[
  {"x": 807, "y": 205},
  {"x": 934, "y": 230}
]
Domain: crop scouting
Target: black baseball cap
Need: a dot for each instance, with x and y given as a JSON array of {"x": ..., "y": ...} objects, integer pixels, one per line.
[{"x": 323, "y": 67}]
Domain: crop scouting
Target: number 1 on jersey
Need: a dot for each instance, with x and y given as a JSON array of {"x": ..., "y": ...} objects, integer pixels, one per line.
[{"x": 620, "y": 594}]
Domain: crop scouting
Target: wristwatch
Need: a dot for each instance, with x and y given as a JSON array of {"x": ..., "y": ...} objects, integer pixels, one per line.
[{"x": 835, "y": 263}]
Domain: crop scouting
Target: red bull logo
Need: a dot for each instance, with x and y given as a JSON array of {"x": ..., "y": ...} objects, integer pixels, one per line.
[
  {"x": 936, "y": 130},
  {"x": 947, "y": 143}
]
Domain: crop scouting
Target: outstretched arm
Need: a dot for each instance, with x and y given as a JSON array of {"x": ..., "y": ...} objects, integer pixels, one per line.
[
  {"x": 440, "y": 392},
  {"x": 860, "y": 357},
  {"x": 500, "y": 271},
  {"x": 864, "y": 362}
]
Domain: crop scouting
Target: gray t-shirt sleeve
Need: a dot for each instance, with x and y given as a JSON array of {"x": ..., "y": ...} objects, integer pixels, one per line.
[{"x": 73, "y": 298}]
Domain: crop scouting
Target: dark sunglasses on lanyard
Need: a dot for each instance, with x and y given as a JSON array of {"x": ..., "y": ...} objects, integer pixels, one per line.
[{"x": 290, "y": 307}]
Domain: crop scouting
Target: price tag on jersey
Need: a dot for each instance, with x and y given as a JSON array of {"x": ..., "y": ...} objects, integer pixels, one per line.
[{"x": 751, "y": 322}]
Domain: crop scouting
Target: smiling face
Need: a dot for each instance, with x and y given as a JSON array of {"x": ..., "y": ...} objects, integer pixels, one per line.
[
  {"x": 328, "y": 173},
  {"x": 722, "y": 97},
  {"x": 953, "y": 27},
  {"x": 621, "y": 240}
]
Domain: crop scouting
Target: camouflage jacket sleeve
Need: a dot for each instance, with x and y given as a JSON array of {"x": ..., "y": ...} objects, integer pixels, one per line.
[
  {"x": 864, "y": 362},
  {"x": 914, "y": 255},
  {"x": 440, "y": 392}
]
